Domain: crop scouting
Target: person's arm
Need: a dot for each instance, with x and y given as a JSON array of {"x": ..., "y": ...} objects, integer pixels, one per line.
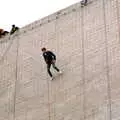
[{"x": 45, "y": 57}]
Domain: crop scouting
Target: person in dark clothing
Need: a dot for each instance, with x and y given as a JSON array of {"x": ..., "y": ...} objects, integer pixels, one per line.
[
  {"x": 84, "y": 2},
  {"x": 50, "y": 59},
  {"x": 14, "y": 29},
  {"x": 3, "y": 33}
]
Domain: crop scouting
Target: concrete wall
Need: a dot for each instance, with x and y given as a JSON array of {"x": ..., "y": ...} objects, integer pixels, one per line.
[{"x": 87, "y": 44}]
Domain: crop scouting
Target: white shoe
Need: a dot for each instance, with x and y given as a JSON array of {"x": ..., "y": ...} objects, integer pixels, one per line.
[
  {"x": 51, "y": 78},
  {"x": 60, "y": 72}
]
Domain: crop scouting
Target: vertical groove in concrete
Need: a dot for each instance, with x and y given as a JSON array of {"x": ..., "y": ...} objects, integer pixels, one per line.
[
  {"x": 83, "y": 60},
  {"x": 48, "y": 88},
  {"x": 58, "y": 54},
  {"x": 16, "y": 78},
  {"x": 48, "y": 99},
  {"x": 56, "y": 36},
  {"x": 8, "y": 104},
  {"x": 118, "y": 18},
  {"x": 107, "y": 63}
]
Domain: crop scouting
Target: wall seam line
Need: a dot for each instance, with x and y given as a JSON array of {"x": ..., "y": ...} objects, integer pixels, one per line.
[
  {"x": 83, "y": 61},
  {"x": 107, "y": 62},
  {"x": 16, "y": 76},
  {"x": 118, "y": 18}
]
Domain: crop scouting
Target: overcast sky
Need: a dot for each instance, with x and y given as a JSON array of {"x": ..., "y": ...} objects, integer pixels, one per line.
[{"x": 23, "y": 12}]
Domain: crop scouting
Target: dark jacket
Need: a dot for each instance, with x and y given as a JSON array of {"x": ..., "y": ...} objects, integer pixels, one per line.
[
  {"x": 49, "y": 56},
  {"x": 13, "y": 30}
]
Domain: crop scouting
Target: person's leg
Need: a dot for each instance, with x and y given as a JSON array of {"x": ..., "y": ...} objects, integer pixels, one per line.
[
  {"x": 54, "y": 66},
  {"x": 86, "y": 1},
  {"x": 48, "y": 69}
]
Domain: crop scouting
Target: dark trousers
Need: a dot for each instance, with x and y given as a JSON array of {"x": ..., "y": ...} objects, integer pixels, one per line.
[{"x": 54, "y": 66}]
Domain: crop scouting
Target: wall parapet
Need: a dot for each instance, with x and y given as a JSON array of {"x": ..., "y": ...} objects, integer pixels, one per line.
[{"x": 46, "y": 20}]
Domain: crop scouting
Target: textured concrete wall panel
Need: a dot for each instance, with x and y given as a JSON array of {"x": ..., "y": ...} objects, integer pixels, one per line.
[{"x": 86, "y": 41}]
